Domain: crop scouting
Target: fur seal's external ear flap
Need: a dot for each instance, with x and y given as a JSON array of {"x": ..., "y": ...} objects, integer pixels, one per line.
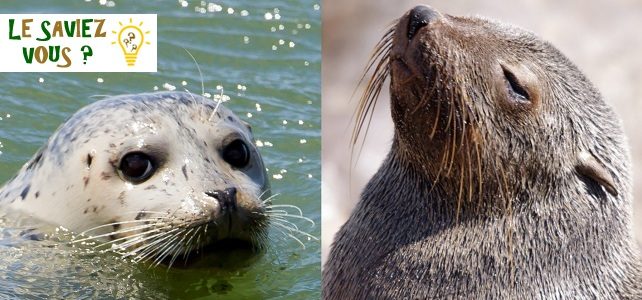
[{"x": 587, "y": 165}]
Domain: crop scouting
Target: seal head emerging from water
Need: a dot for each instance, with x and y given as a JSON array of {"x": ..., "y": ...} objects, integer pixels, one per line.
[
  {"x": 508, "y": 176},
  {"x": 158, "y": 174}
]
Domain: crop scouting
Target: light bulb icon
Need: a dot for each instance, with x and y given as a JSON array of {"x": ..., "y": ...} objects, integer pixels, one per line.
[{"x": 131, "y": 38}]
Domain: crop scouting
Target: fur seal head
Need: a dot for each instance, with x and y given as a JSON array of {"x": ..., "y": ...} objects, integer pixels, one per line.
[
  {"x": 508, "y": 176},
  {"x": 475, "y": 100},
  {"x": 158, "y": 174}
]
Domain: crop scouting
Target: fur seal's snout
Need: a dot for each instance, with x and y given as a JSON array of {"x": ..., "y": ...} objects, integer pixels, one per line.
[{"x": 419, "y": 17}]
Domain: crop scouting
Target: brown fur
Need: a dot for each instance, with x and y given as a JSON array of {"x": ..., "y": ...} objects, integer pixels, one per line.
[{"x": 483, "y": 196}]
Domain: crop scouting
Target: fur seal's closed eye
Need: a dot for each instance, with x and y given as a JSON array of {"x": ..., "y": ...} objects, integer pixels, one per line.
[{"x": 515, "y": 89}]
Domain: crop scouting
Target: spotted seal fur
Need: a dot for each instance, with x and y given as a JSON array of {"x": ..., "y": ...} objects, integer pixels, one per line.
[{"x": 161, "y": 174}]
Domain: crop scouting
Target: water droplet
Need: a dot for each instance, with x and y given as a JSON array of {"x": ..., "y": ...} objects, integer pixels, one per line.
[{"x": 168, "y": 86}]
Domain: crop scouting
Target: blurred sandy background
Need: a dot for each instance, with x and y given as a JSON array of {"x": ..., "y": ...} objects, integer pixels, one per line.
[{"x": 602, "y": 37}]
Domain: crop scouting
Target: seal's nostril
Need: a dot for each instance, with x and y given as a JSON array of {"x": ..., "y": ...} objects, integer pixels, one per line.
[
  {"x": 226, "y": 198},
  {"x": 419, "y": 17},
  {"x": 231, "y": 192}
]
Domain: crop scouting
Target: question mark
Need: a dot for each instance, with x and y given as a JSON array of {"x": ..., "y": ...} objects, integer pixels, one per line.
[{"x": 86, "y": 52}]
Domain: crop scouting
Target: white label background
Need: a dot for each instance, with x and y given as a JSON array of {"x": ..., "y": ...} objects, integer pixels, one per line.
[{"x": 107, "y": 57}]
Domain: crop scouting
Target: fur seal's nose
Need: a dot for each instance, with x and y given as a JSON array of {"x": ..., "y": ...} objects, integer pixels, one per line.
[
  {"x": 226, "y": 198},
  {"x": 419, "y": 17}
]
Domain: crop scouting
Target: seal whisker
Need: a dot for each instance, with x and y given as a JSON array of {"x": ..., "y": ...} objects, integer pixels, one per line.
[
  {"x": 218, "y": 103},
  {"x": 286, "y": 206},
  {"x": 268, "y": 198},
  {"x": 150, "y": 235},
  {"x": 200, "y": 74},
  {"x": 294, "y": 217},
  {"x": 380, "y": 61},
  {"x": 177, "y": 246},
  {"x": 189, "y": 243},
  {"x": 148, "y": 240},
  {"x": 167, "y": 249},
  {"x": 293, "y": 237},
  {"x": 290, "y": 229},
  {"x": 151, "y": 248},
  {"x": 134, "y": 237},
  {"x": 285, "y": 222},
  {"x": 97, "y": 237},
  {"x": 117, "y": 223}
]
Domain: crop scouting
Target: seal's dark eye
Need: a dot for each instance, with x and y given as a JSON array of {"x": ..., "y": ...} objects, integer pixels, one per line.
[
  {"x": 136, "y": 167},
  {"x": 515, "y": 89},
  {"x": 236, "y": 154}
]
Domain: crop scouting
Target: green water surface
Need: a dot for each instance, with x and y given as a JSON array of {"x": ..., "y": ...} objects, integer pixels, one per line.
[{"x": 270, "y": 69}]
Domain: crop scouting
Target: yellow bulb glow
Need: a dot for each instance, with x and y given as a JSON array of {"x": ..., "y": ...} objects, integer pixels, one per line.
[{"x": 131, "y": 39}]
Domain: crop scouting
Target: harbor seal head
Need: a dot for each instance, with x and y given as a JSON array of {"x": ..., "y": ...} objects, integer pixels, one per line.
[
  {"x": 159, "y": 174},
  {"x": 508, "y": 176}
]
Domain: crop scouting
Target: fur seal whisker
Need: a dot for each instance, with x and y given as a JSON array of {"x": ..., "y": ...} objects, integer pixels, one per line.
[{"x": 379, "y": 62}]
